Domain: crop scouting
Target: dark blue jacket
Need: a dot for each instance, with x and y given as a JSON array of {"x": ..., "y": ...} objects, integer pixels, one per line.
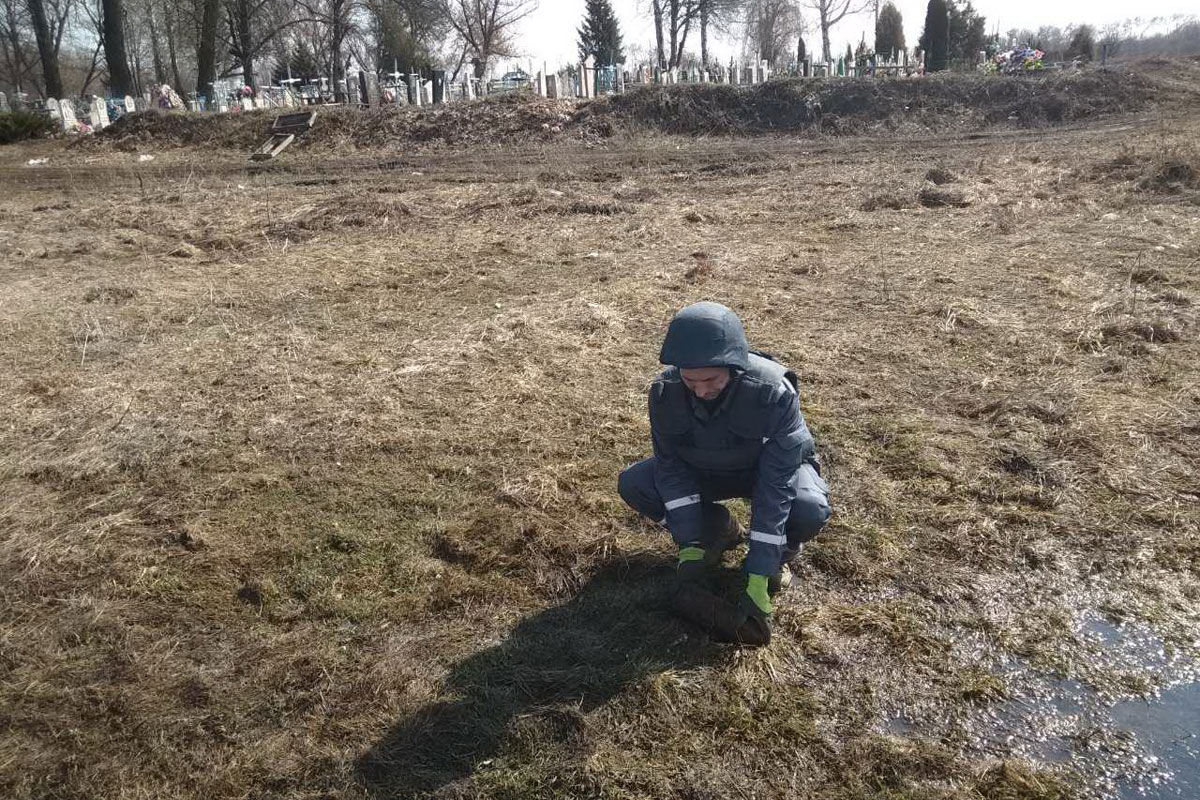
[{"x": 756, "y": 433}]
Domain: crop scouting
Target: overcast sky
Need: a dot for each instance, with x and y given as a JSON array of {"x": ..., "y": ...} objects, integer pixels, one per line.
[{"x": 549, "y": 34}]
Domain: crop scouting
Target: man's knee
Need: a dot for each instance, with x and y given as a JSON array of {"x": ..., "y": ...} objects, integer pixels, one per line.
[
  {"x": 626, "y": 487},
  {"x": 810, "y": 512},
  {"x": 635, "y": 484}
]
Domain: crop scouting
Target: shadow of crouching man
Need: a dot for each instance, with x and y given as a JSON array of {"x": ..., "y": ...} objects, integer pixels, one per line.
[{"x": 554, "y": 666}]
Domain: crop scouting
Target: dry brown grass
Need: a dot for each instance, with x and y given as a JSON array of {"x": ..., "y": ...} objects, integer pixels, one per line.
[{"x": 309, "y": 479}]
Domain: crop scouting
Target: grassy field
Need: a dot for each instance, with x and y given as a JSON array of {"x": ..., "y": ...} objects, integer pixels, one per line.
[{"x": 309, "y": 473}]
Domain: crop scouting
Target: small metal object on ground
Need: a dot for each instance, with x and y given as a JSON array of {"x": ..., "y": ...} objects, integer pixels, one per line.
[
  {"x": 272, "y": 147},
  {"x": 294, "y": 123},
  {"x": 719, "y": 618},
  {"x": 284, "y": 131}
]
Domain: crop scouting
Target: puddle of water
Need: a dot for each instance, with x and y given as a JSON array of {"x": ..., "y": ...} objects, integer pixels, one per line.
[
  {"x": 1166, "y": 727},
  {"x": 1129, "y": 749}
]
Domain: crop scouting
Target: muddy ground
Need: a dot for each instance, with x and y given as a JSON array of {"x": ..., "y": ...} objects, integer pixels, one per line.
[{"x": 309, "y": 472}]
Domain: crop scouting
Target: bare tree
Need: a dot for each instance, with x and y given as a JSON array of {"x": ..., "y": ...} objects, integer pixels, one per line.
[
  {"x": 49, "y": 21},
  {"x": 19, "y": 58},
  {"x": 254, "y": 26},
  {"x": 337, "y": 19},
  {"x": 830, "y": 13},
  {"x": 771, "y": 25},
  {"x": 486, "y": 27},
  {"x": 715, "y": 14}
]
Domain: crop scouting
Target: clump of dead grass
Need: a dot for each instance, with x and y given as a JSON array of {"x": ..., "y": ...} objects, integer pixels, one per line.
[
  {"x": 940, "y": 176},
  {"x": 931, "y": 197},
  {"x": 894, "y": 201},
  {"x": 1172, "y": 171}
]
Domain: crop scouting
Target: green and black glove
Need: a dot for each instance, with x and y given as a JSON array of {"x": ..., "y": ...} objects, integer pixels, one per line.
[{"x": 756, "y": 600}]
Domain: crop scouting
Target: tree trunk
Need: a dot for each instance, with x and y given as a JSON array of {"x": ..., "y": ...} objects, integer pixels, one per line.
[
  {"x": 245, "y": 32},
  {"x": 169, "y": 22},
  {"x": 658, "y": 33},
  {"x": 206, "y": 55},
  {"x": 687, "y": 27},
  {"x": 825, "y": 50},
  {"x": 704, "y": 34},
  {"x": 160, "y": 72},
  {"x": 45, "y": 44},
  {"x": 120, "y": 82},
  {"x": 673, "y": 22},
  {"x": 91, "y": 73}
]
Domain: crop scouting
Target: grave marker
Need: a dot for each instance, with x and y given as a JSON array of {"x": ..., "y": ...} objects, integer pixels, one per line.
[
  {"x": 98, "y": 114},
  {"x": 130, "y": 105},
  {"x": 373, "y": 93},
  {"x": 52, "y": 107},
  {"x": 3, "y": 102},
  {"x": 66, "y": 108}
]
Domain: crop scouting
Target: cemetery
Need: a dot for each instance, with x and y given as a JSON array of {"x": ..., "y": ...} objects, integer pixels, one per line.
[{"x": 310, "y": 459}]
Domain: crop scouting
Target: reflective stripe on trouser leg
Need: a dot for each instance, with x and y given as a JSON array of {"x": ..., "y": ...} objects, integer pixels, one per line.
[
  {"x": 681, "y": 502},
  {"x": 779, "y": 540}
]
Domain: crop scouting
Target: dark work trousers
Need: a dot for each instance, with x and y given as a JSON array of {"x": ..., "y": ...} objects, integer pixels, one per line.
[{"x": 810, "y": 509}]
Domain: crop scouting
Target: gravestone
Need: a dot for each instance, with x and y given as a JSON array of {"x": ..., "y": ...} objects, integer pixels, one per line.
[
  {"x": 130, "y": 105},
  {"x": 66, "y": 108},
  {"x": 414, "y": 89},
  {"x": 766, "y": 71},
  {"x": 427, "y": 93},
  {"x": 552, "y": 87},
  {"x": 3, "y": 102},
  {"x": 469, "y": 85},
  {"x": 373, "y": 94},
  {"x": 52, "y": 107},
  {"x": 247, "y": 105},
  {"x": 541, "y": 84},
  {"x": 438, "y": 87},
  {"x": 364, "y": 97},
  {"x": 98, "y": 115}
]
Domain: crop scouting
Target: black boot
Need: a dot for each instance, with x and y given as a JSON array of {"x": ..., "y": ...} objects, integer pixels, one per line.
[{"x": 719, "y": 532}]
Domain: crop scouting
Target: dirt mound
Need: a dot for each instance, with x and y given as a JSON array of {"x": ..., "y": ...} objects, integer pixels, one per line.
[
  {"x": 824, "y": 105},
  {"x": 502, "y": 119},
  {"x": 856, "y": 105},
  {"x": 174, "y": 128}
]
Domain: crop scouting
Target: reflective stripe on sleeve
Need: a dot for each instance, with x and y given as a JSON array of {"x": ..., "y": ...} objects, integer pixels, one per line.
[
  {"x": 680, "y": 502},
  {"x": 768, "y": 538}
]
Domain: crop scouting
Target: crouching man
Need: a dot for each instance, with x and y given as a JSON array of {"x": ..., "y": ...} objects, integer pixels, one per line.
[{"x": 725, "y": 422}]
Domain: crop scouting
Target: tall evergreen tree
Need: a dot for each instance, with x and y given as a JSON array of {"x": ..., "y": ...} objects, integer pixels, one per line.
[
  {"x": 889, "y": 31},
  {"x": 967, "y": 33},
  {"x": 935, "y": 41},
  {"x": 599, "y": 35}
]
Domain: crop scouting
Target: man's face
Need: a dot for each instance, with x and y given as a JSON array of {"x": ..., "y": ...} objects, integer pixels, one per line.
[{"x": 707, "y": 383}]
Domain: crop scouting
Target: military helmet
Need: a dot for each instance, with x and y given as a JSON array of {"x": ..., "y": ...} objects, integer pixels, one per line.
[{"x": 705, "y": 335}]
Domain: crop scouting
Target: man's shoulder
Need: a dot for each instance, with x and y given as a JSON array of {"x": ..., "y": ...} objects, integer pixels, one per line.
[{"x": 668, "y": 375}]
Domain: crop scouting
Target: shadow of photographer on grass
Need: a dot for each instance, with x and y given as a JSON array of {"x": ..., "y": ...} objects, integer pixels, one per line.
[{"x": 524, "y": 699}]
